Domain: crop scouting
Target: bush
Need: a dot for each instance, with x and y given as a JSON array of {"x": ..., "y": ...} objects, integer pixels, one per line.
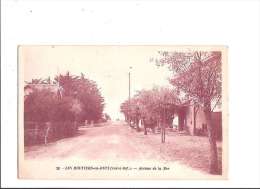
[
  {"x": 75, "y": 99},
  {"x": 38, "y": 106},
  {"x": 42, "y": 108},
  {"x": 62, "y": 110}
]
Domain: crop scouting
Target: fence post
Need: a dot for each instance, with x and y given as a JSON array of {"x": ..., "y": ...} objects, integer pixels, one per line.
[{"x": 48, "y": 124}]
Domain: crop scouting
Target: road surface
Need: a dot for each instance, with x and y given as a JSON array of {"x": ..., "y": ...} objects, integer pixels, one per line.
[
  {"x": 115, "y": 141},
  {"x": 112, "y": 141}
]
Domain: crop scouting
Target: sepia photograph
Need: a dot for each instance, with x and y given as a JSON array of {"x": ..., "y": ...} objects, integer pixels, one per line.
[
  {"x": 122, "y": 112},
  {"x": 132, "y": 94}
]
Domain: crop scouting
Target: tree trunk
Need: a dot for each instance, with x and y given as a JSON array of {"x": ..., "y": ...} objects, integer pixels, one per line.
[
  {"x": 194, "y": 121},
  {"x": 137, "y": 125},
  {"x": 213, "y": 161},
  {"x": 180, "y": 121},
  {"x": 145, "y": 131}
]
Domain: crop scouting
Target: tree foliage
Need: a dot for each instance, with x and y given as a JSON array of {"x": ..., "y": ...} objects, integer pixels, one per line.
[
  {"x": 198, "y": 75},
  {"x": 86, "y": 91},
  {"x": 38, "y": 104},
  {"x": 151, "y": 103},
  {"x": 81, "y": 100}
]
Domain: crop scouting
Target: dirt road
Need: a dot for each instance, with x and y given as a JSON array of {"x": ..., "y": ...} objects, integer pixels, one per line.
[{"x": 114, "y": 141}]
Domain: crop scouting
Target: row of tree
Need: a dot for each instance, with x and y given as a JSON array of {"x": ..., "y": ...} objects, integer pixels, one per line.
[
  {"x": 150, "y": 104},
  {"x": 56, "y": 108},
  {"x": 196, "y": 77},
  {"x": 80, "y": 99}
]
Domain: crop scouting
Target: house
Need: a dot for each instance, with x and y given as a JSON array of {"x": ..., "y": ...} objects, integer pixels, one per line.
[
  {"x": 195, "y": 121},
  {"x": 192, "y": 120}
]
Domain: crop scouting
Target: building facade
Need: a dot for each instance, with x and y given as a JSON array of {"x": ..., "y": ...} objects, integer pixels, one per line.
[{"x": 194, "y": 121}]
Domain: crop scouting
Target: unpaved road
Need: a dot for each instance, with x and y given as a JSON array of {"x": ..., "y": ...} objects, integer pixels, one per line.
[
  {"x": 114, "y": 141},
  {"x": 111, "y": 141}
]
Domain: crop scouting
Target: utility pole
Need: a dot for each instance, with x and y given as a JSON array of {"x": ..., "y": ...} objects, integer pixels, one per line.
[
  {"x": 129, "y": 85},
  {"x": 163, "y": 125},
  {"x": 164, "y": 109}
]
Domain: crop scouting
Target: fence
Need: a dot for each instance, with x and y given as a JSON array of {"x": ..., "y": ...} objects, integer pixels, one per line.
[{"x": 45, "y": 132}]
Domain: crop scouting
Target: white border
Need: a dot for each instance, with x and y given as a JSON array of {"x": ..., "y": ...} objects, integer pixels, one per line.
[{"x": 232, "y": 23}]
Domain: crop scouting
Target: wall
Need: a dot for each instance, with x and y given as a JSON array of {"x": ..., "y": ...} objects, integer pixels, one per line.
[
  {"x": 189, "y": 120},
  {"x": 200, "y": 121}
]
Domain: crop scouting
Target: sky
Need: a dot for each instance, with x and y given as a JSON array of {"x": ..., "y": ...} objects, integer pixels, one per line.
[{"x": 107, "y": 65}]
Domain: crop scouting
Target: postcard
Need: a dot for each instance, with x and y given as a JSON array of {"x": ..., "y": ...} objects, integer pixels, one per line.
[{"x": 122, "y": 112}]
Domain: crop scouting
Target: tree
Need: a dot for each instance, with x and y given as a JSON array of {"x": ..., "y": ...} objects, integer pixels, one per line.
[
  {"x": 78, "y": 99},
  {"x": 86, "y": 91},
  {"x": 151, "y": 104},
  {"x": 198, "y": 75},
  {"x": 39, "y": 81},
  {"x": 67, "y": 82},
  {"x": 38, "y": 104},
  {"x": 46, "y": 110},
  {"x": 35, "y": 81}
]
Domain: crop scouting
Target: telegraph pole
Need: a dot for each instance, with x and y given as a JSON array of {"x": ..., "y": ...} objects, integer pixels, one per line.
[{"x": 129, "y": 85}]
